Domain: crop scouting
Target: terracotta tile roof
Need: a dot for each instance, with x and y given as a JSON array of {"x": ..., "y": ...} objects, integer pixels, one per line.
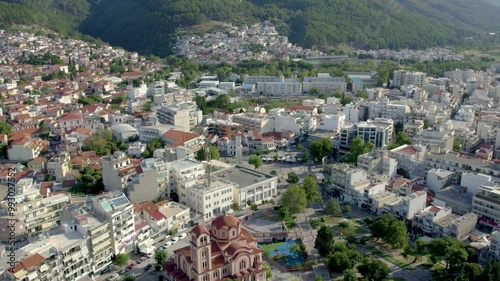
[
  {"x": 140, "y": 225},
  {"x": 46, "y": 187},
  {"x": 71, "y": 116},
  {"x": 157, "y": 216},
  {"x": 149, "y": 207},
  {"x": 29, "y": 262},
  {"x": 137, "y": 208},
  {"x": 199, "y": 229},
  {"x": 225, "y": 221},
  {"x": 180, "y": 137}
]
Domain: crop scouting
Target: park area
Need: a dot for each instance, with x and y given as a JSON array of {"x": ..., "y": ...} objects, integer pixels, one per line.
[{"x": 290, "y": 254}]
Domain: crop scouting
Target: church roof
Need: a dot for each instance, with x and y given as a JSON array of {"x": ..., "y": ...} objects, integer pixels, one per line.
[{"x": 226, "y": 220}]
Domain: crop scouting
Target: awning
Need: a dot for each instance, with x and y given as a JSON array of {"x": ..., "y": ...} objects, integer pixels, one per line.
[{"x": 148, "y": 250}]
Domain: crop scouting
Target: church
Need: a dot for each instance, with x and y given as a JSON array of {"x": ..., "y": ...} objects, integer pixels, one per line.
[{"x": 225, "y": 251}]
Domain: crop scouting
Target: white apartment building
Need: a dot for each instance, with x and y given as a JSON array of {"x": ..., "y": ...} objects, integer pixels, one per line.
[
  {"x": 135, "y": 149},
  {"x": 413, "y": 127},
  {"x": 406, "y": 207},
  {"x": 331, "y": 122},
  {"x": 486, "y": 204},
  {"x": 184, "y": 115},
  {"x": 396, "y": 112},
  {"x": 439, "y": 141},
  {"x": 117, "y": 209},
  {"x": 250, "y": 121},
  {"x": 405, "y": 78},
  {"x": 147, "y": 133},
  {"x": 58, "y": 166},
  {"x": 116, "y": 170},
  {"x": 324, "y": 82},
  {"x": 349, "y": 181},
  {"x": 378, "y": 162},
  {"x": 25, "y": 149},
  {"x": 438, "y": 179},
  {"x": 34, "y": 214},
  {"x": 249, "y": 79},
  {"x": 183, "y": 170},
  {"x": 411, "y": 159},
  {"x": 249, "y": 185},
  {"x": 378, "y": 132},
  {"x": 70, "y": 121},
  {"x": 209, "y": 198},
  {"x": 289, "y": 87},
  {"x": 440, "y": 221}
]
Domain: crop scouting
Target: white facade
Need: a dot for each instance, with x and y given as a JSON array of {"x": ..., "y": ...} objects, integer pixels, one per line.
[
  {"x": 472, "y": 181},
  {"x": 209, "y": 199},
  {"x": 184, "y": 115},
  {"x": 289, "y": 87},
  {"x": 437, "y": 179},
  {"x": 116, "y": 170},
  {"x": 405, "y": 78},
  {"x": 324, "y": 83}
]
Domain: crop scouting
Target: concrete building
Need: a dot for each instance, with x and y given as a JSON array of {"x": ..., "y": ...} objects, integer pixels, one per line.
[
  {"x": 413, "y": 127},
  {"x": 456, "y": 198},
  {"x": 34, "y": 214},
  {"x": 147, "y": 133},
  {"x": 406, "y": 207},
  {"x": 209, "y": 198},
  {"x": 396, "y": 112},
  {"x": 250, "y": 121},
  {"x": 118, "y": 211},
  {"x": 69, "y": 122},
  {"x": 184, "y": 115},
  {"x": 439, "y": 141},
  {"x": 324, "y": 83},
  {"x": 58, "y": 166},
  {"x": 249, "y": 185},
  {"x": 225, "y": 251},
  {"x": 25, "y": 149},
  {"x": 486, "y": 204},
  {"x": 116, "y": 170},
  {"x": 378, "y": 132},
  {"x": 440, "y": 221},
  {"x": 183, "y": 170},
  {"x": 407, "y": 78},
  {"x": 123, "y": 132},
  {"x": 472, "y": 181},
  {"x": 378, "y": 162},
  {"x": 438, "y": 179},
  {"x": 349, "y": 181},
  {"x": 135, "y": 149},
  {"x": 251, "y": 79},
  {"x": 289, "y": 87}
]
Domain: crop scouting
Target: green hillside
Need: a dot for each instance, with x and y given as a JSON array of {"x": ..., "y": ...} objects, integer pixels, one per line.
[{"x": 149, "y": 26}]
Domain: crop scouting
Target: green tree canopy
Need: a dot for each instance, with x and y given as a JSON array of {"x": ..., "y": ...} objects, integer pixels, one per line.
[
  {"x": 201, "y": 154},
  {"x": 417, "y": 250},
  {"x": 121, "y": 260},
  {"x": 448, "y": 249},
  {"x": 160, "y": 256},
  {"x": 357, "y": 147},
  {"x": 391, "y": 230},
  {"x": 293, "y": 178},
  {"x": 324, "y": 241},
  {"x": 332, "y": 208},
  {"x": 294, "y": 199},
  {"x": 321, "y": 148},
  {"x": 255, "y": 161},
  {"x": 310, "y": 186},
  {"x": 5, "y": 128},
  {"x": 373, "y": 269}
]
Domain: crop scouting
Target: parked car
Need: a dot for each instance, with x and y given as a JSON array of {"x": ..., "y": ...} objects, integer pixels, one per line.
[
  {"x": 150, "y": 255},
  {"x": 141, "y": 260},
  {"x": 175, "y": 239},
  {"x": 167, "y": 244},
  {"x": 147, "y": 267},
  {"x": 182, "y": 235},
  {"x": 113, "y": 277},
  {"x": 123, "y": 271},
  {"x": 132, "y": 265}
]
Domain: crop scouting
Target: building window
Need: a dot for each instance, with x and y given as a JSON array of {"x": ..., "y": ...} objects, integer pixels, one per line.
[
  {"x": 205, "y": 278},
  {"x": 243, "y": 265},
  {"x": 224, "y": 271},
  {"x": 234, "y": 233}
]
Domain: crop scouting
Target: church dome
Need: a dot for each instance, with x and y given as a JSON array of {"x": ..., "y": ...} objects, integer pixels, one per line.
[{"x": 227, "y": 221}]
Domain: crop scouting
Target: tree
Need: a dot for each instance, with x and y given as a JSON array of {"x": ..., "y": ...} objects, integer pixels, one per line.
[
  {"x": 417, "y": 250},
  {"x": 380, "y": 225},
  {"x": 255, "y": 161},
  {"x": 471, "y": 272},
  {"x": 310, "y": 186},
  {"x": 294, "y": 198},
  {"x": 348, "y": 232},
  {"x": 491, "y": 272},
  {"x": 318, "y": 278},
  {"x": 201, "y": 154},
  {"x": 269, "y": 273},
  {"x": 235, "y": 206},
  {"x": 284, "y": 212},
  {"x": 3, "y": 150},
  {"x": 293, "y": 178},
  {"x": 300, "y": 147},
  {"x": 160, "y": 256},
  {"x": 350, "y": 275},
  {"x": 321, "y": 148},
  {"x": 339, "y": 261},
  {"x": 427, "y": 124},
  {"x": 402, "y": 138},
  {"x": 121, "y": 260},
  {"x": 397, "y": 235},
  {"x": 373, "y": 269},
  {"x": 457, "y": 147},
  {"x": 324, "y": 241},
  {"x": 128, "y": 278},
  {"x": 357, "y": 147},
  {"x": 448, "y": 249},
  {"x": 314, "y": 91},
  {"x": 346, "y": 209},
  {"x": 254, "y": 207},
  {"x": 332, "y": 208},
  {"x": 5, "y": 128}
]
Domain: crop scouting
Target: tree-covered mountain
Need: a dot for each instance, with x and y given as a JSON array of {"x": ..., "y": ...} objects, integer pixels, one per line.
[{"x": 150, "y": 26}]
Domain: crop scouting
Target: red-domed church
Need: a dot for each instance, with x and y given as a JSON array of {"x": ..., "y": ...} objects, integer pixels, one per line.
[{"x": 225, "y": 251}]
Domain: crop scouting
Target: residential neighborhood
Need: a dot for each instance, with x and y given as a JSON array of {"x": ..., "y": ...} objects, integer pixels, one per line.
[{"x": 112, "y": 168}]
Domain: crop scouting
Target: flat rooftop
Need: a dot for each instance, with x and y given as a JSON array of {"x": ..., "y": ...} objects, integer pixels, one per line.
[
  {"x": 264, "y": 226},
  {"x": 64, "y": 240},
  {"x": 201, "y": 184},
  {"x": 173, "y": 209},
  {"x": 242, "y": 176},
  {"x": 455, "y": 195}
]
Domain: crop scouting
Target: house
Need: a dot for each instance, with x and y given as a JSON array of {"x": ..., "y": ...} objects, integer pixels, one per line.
[
  {"x": 25, "y": 149},
  {"x": 37, "y": 164},
  {"x": 225, "y": 251},
  {"x": 70, "y": 121}
]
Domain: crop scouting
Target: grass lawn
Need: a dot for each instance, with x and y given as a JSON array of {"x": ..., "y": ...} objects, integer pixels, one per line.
[
  {"x": 290, "y": 222},
  {"x": 360, "y": 231},
  {"x": 269, "y": 247}
]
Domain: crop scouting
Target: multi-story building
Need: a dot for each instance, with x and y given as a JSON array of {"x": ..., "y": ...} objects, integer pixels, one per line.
[
  {"x": 289, "y": 87},
  {"x": 393, "y": 111},
  {"x": 116, "y": 170},
  {"x": 192, "y": 142},
  {"x": 35, "y": 214},
  {"x": 184, "y": 115},
  {"x": 25, "y": 149},
  {"x": 135, "y": 149},
  {"x": 58, "y": 166},
  {"x": 69, "y": 122},
  {"x": 324, "y": 82},
  {"x": 378, "y": 132},
  {"x": 183, "y": 170},
  {"x": 251, "y": 121},
  {"x": 209, "y": 197},
  {"x": 406, "y": 207},
  {"x": 413, "y": 127},
  {"x": 97, "y": 232},
  {"x": 378, "y": 162},
  {"x": 440, "y": 141},
  {"x": 438, "y": 179},
  {"x": 118, "y": 211},
  {"x": 249, "y": 79},
  {"x": 486, "y": 204},
  {"x": 407, "y": 78},
  {"x": 349, "y": 181},
  {"x": 147, "y": 133},
  {"x": 227, "y": 250},
  {"x": 249, "y": 185},
  {"x": 224, "y": 128},
  {"x": 440, "y": 221}
]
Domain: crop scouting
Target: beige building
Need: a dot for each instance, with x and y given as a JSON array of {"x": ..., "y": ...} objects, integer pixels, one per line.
[
  {"x": 116, "y": 170},
  {"x": 25, "y": 149},
  {"x": 58, "y": 166},
  {"x": 184, "y": 115},
  {"x": 227, "y": 250}
]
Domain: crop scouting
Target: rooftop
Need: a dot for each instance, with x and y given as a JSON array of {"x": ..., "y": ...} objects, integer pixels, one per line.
[
  {"x": 63, "y": 241},
  {"x": 200, "y": 184},
  {"x": 242, "y": 176}
]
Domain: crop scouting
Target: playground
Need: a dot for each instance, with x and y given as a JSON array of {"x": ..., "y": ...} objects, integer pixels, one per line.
[{"x": 285, "y": 254}]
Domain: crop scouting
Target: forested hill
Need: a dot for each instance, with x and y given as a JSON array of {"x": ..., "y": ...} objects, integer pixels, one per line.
[{"x": 149, "y": 26}]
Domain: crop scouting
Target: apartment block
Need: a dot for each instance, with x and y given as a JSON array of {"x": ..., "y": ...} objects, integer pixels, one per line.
[
  {"x": 289, "y": 87},
  {"x": 378, "y": 132},
  {"x": 407, "y": 78},
  {"x": 251, "y": 121},
  {"x": 116, "y": 170},
  {"x": 249, "y": 79},
  {"x": 184, "y": 115},
  {"x": 440, "y": 221},
  {"x": 440, "y": 141},
  {"x": 58, "y": 166},
  {"x": 25, "y": 149},
  {"x": 208, "y": 197},
  {"x": 394, "y": 111},
  {"x": 406, "y": 207},
  {"x": 324, "y": 82},
  {"x": 117, "y": 209},
  {"x": 378, "y": 162},
  {"x": 349, "y": 181},
  {"x": 486, "y": 204}
]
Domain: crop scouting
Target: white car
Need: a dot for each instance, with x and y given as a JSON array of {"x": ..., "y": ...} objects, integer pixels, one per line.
[
  {"x": 182, "y": 235},
  {"x": 168, "y": 244},
  {"x": 175, "y": 239},
  {"x": 114, "y": 277}
]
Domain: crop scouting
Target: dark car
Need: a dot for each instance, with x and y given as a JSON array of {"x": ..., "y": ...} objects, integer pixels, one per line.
[{"x": 147, "y": 267}]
